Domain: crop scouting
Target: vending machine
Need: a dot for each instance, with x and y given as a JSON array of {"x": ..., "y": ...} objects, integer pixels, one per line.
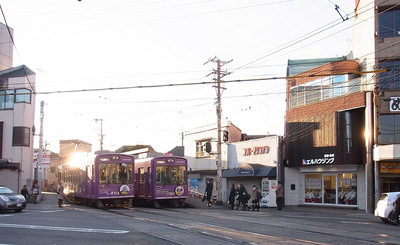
[{"x": 268, "y": 188}]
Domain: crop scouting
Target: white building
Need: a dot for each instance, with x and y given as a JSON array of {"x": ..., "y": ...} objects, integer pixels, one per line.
[
  {"x": 17, "y": 113},
  {"x": 245, "y": 162}
]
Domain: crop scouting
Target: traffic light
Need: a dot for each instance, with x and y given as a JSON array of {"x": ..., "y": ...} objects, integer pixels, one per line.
[{"x": 225, "y": 137}]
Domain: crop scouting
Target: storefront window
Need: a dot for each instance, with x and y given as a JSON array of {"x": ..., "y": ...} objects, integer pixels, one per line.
[
  {"x": 347, "y": 189},
  {"x": 331, "y": 189},
  {"x": 313, "y": 188}
]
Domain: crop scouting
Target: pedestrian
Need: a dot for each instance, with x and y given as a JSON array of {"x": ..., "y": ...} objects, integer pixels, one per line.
[
  {"x": 279, "y": 195},
  {"x": 395, "y": 216},
  {"x": 35, "y": 191},
  {"x": 243, "y": 197},
  {"x": 60, "y": 195},
  {"x": 25, "y": 192},
  {"x": 255, "y": 199},
  {"x": 209, "y": 189},
  {"x": 232, "y": 196}
]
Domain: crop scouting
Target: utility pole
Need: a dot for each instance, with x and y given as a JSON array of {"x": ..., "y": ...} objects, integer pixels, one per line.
[
  {"x": 40, "y": 156},
  {"x": 219, "y": 74},
  {"x": 101, "y": 133}
]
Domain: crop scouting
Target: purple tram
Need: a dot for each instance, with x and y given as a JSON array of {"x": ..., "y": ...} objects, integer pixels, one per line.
[
  {"x": 161, "y": 181},
  {"x": 108, "y": 180}
]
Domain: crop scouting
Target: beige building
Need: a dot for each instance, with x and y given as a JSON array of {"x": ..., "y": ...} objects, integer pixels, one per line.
[{"x": 17, "y": 113}]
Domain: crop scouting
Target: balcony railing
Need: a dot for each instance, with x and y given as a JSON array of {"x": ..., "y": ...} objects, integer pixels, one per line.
[{"x": 306, "y": 94}]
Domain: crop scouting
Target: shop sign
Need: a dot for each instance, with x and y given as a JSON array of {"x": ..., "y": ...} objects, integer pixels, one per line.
[
  {"x": 395, "y": 104},
  {"x": 326, "y": 160},
  {"x": 257, "y": 150},
  {"x": 3, "y": 82},
  {"x": 390, "y": 168}
]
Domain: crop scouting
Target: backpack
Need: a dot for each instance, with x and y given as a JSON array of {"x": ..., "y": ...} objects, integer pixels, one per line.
[{"x": 259, "y": 196}]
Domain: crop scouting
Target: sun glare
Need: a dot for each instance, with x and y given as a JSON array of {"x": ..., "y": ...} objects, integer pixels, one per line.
[{"x": 79, "y": 159}]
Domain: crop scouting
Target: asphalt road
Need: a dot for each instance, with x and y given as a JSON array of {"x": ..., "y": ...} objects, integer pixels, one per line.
[{"x": 45, "y": 223}]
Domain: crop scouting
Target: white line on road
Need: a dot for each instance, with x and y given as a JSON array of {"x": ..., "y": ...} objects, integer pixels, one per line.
[{"x": 55, "y": 228}]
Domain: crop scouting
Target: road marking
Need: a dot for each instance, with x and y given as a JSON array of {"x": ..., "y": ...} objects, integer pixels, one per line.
[
  {"x": 355, "y": 222},
  {"x": 55, "y": 228}
]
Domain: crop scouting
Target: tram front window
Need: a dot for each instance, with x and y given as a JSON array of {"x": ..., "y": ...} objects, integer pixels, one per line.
[
  {"x": 115, "y": 173},
  {"x": 171, "y": 175}
]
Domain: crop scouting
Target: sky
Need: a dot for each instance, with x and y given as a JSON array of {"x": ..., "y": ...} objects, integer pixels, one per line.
[{"x": 112, "y": 60}]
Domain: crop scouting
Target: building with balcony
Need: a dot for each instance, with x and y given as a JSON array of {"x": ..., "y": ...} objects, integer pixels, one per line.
[
  {"x": 324, "y": 127},
  {"x": 17, "y": 113},
  {"x": 342, "y": 116}
]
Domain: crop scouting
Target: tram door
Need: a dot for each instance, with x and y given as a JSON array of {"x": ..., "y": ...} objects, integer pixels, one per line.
[
  {"x": 141, "y": 182},
  {"x": 148, "y": 182},
  {"x": 89, "y": 181}
]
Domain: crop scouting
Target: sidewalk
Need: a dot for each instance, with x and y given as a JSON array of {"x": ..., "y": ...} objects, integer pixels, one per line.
[
  {"x": 47, "y": 199},
  {"x": 196, "y": 202}
]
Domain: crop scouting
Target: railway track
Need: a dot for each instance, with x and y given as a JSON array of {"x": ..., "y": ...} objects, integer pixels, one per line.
[{"x": 219, "y": 228}]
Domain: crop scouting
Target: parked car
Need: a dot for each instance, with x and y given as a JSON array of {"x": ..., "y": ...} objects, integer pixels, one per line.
[
  {"x": 9, "y": 200},
  {"x": 384, "y": 207}
]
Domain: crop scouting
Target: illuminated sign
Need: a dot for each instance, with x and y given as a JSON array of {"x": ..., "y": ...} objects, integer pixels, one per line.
[
  {"x": 327, "y": 159},
  {"x": 390, "y": 167},
  {"x": 257, "y": 150}
]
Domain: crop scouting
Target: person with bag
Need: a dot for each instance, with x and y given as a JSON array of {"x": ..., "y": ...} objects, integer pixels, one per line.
[
  {"x": 60, "y": 195},
  {"x": 25, "y": 193},
  {"x": 232, "y": 196},
  {"x": 256, "y": 200},
  {"x": 35, "y": 191},
  {"x": 243, "y": 197}
]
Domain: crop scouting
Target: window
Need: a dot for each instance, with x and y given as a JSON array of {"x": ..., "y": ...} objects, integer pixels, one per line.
[
  {"x": 323, "y": 88},
  {"x": 313, "y": 191},
  {"x": 141, "y": 175},
  {"x": 201, "y": 148},
  {"x": 22, "y": 96},
  {"x": 391, "y": 78},
  {"x": 331, "y": 188},
  {"x": 21, "y": 136},
  {"x": 171, "y": 175},
  {"x": 389, "y": 129},
  {"x": 389, "y": 22},
  {"x": 6, "y": 99},
  {"x": 115, "y": 173},
  {"x": 347, "y": 189}
]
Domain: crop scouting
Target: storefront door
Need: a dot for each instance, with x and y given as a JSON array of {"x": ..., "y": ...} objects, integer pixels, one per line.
[{"x": 329, "y": 189}]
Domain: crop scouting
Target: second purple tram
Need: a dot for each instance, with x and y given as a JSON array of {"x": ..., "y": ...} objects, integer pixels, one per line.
[
  {"x": 106, "y": 180},
  {"x": 161, "y": 181}
]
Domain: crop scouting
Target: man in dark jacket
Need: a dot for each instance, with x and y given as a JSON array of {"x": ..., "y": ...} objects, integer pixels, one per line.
[{"x": 209, "y": 189}]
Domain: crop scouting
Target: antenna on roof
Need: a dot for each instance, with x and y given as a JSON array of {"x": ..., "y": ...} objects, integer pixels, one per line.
[{"x": 337, "y": 9}]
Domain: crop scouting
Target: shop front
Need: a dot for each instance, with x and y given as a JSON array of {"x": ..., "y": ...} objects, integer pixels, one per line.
[
  {"x": 331, "y": 185},
  {"x": 389, "y": 173},
  {"x": 328, "y": 188}
]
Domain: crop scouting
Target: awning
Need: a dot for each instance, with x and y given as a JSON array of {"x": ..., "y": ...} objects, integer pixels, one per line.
[{"x": 250, "y": 170}]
